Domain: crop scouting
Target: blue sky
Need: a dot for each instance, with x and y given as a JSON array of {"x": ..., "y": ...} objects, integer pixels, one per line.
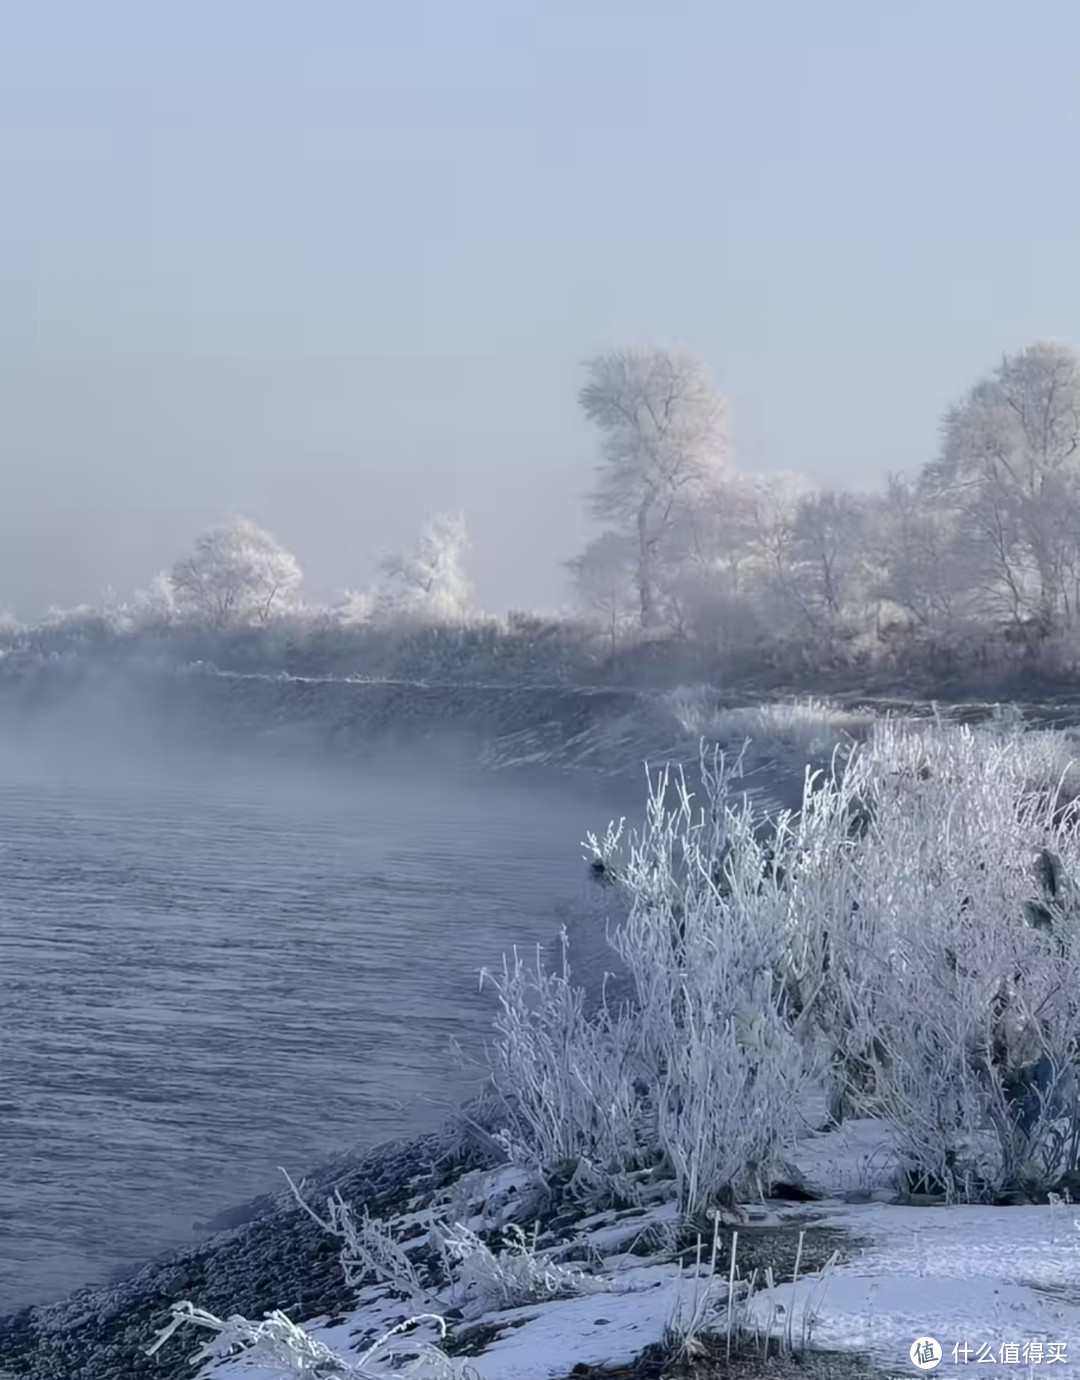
[{"x": 336, "y": 265}]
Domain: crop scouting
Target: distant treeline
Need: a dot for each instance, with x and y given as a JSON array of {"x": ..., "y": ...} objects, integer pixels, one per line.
[{"x": 963, "y": 580}]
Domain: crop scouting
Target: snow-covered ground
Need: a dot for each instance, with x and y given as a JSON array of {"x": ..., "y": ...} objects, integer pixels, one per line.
[{"x": 998, "y": 1288}]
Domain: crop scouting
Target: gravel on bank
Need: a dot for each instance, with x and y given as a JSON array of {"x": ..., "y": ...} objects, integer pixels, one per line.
[{"x": 278, "y": 1259}]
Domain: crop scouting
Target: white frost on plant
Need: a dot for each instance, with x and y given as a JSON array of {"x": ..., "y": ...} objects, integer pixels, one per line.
[
  {"x": 281, "y": 1349},
  {"x": 236, "y": 574},
  {"x": 491, "y": 1281},
  {"x": 879, "y": 937},
  {"x": 427, "y": 585}
]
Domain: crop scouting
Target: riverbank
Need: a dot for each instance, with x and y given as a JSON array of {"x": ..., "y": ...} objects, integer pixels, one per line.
[
  {"x": 840, "y": 1285},
  {"x": 858, "y": 1273},
  {"x": 602, "y": 1298}
]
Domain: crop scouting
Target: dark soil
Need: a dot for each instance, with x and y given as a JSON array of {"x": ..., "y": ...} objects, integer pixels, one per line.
[
  {"x": 744, "y": 1363},
  {"x": 774, "y": 1245}
]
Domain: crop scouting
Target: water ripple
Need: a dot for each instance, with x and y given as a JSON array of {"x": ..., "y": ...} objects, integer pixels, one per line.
[{"x": 203, "y": 978}]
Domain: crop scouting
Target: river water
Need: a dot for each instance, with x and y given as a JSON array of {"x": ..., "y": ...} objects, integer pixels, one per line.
[{"x": 211, "y": 967}]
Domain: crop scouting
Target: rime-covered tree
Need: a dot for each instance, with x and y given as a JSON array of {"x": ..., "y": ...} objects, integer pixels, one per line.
[
  {"x": 1010, "y": 468},
  {"x": 775, "y": 583},
  {"x": 922, "y": 574},
  {"x": 830, "y": 530},
  {"x": 428, "y": 584},
  {"x": 664, "y": 448},
  {"x": 355, "y": 608},
  {"x": 156, "y": 604},
  {"x": 603, "y": 581},
  {"x": 237, "y": 574}
]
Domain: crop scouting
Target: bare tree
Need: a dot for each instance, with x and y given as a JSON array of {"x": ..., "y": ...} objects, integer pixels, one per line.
[
  {"x": 236, "y": 574},
  {"x": 664, "y": 444}
]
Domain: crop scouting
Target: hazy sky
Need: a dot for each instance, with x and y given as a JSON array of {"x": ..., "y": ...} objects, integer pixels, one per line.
[{"x": 334, "y": 263}]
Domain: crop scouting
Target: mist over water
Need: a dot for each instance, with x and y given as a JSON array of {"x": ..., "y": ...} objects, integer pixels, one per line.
[{"x": 211, "y": 966}]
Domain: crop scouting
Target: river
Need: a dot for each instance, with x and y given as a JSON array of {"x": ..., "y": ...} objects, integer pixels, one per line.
[{"x": 213, "y": 965}]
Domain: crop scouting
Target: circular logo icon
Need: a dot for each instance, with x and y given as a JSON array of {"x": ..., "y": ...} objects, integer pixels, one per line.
[{"x": 925, "y": 1353}]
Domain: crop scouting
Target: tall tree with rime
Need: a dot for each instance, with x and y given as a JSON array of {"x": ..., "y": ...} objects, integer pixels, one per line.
[{"x": 664, "y": 448}]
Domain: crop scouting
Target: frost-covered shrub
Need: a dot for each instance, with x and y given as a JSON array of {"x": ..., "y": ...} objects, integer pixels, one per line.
[
  {"x": 475, "y": 1278},
  {"x": 810, "y": 727},
  {"x": 489, "y": 1281},
  {"x": 571, "y": 1082},
  {"x": 702, "y": 940},
  {"x": 295, "y": 1354},
  {"x": 942, "y": 1007},
  {"x": 371, "y": 1252},
  {"x": 909, "y": 936},
  {"x": 703, "y": 1067}
]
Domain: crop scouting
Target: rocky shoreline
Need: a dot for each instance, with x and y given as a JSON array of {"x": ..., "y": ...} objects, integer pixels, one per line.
[{"x": 277, "y": 1259}]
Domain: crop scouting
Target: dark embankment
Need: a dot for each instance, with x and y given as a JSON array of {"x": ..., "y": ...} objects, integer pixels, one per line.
[
  {"x": 602, "y": 730},
  {"x": 594, "y": 729}
]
